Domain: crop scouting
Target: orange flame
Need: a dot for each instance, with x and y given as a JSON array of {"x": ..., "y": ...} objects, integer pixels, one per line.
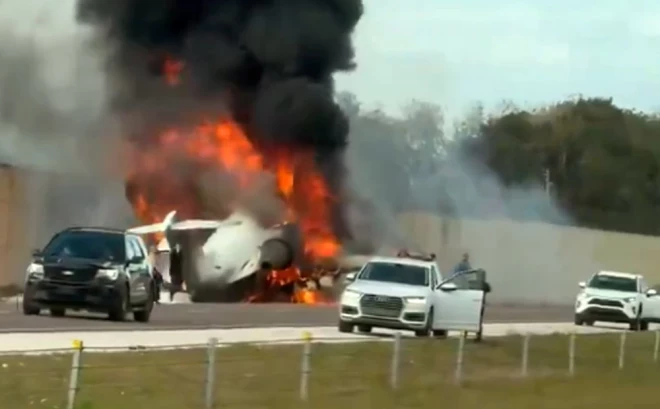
[
  {"x": 223, "y": 145},
  {"x": 172, "y": 71}
]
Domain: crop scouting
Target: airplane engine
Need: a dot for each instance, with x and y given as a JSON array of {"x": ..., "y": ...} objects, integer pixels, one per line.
[{"x": 276, "y": 254}]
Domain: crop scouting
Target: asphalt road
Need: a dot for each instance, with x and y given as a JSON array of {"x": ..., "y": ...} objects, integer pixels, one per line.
[{"x": 204, "y": 316}]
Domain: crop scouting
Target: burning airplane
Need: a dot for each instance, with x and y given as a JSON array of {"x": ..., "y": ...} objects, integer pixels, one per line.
[{"x": 228, "y": 114}]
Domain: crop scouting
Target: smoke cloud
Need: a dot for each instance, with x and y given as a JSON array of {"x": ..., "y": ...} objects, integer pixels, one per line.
[
  {"x": 268, "y": 64},
  {"x": 53, "y": 126}
]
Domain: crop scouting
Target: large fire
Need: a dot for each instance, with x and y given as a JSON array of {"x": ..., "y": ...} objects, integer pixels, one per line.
[{"x": 221, "y": 144}]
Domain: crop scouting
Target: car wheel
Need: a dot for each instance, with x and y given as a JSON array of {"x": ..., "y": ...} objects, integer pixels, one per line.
[
  {"x": 636, "y": 325},
  {"x": 479, "y": 336},
  {"x": 57, "y": 312},
  {"x": 643, "y": 325},
  {"x": 440, "y": 333},
  {"x": 578, "y": 320},
  {"x": 428, "y": 328},
  {"x": 144, "y": 314},
  {"x": 29, "y": 309},
  {"x": 120, "y": 307},
  {"x": 364, "y": 328},
  {"x": 345, "y": 327}
]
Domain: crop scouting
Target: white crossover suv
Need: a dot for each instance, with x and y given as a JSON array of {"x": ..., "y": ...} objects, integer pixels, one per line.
[
  {"x": 410, "y": 293},
  {"x": 610, "y": 296}
]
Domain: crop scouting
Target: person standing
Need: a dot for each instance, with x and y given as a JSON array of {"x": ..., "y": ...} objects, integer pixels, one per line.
[{"x": 176, "y": 271}]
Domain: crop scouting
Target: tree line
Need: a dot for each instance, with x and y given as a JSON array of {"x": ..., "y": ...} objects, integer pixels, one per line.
[{"x": 582, "y": 161}]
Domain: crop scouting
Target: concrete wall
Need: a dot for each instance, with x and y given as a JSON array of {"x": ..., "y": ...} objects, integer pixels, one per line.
[
  {"x": 14, "y": 250},
  {"x": 533, "y": 261}
]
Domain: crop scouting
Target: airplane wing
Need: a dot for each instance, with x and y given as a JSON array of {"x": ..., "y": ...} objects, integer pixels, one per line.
[
  {"x": 183, "y": 225},
  {"x": 203, "y": 224},
  {"x": 148, "y": 229}
]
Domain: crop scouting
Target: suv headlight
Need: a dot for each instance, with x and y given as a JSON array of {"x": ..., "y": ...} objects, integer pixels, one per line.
[
  {"x": 35, "y": 271},
  {"x": 351, "y": 295},
  {"x": 630, "y": 299},
  {"x": 415, "y": 300},
  {"x": 109, "y": 273}
]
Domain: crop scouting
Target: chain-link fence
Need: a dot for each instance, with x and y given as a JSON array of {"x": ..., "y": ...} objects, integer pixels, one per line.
[{"x": 312, "y": 371}]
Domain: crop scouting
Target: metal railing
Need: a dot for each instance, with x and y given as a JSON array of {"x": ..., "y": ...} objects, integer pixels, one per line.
[{"x": 217, "y": 375}]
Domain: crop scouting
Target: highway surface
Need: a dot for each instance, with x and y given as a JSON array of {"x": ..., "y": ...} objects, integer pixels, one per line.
[{"x": 209, "y": 316}]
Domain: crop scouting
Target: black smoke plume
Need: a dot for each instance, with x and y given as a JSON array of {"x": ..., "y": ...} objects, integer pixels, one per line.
[{"x": 269, "y": 63}]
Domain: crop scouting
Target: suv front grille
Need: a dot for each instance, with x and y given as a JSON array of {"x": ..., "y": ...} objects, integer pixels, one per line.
[
  {"x": 606, "y": 303},
  {"x": 381, "y": 306},
  {"x": 78, "y": 275}
]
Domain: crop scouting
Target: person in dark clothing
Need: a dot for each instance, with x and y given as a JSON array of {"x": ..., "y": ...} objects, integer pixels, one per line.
[
  {"x": 176, "y": 271},
  {"x": 158, "y": 279}
]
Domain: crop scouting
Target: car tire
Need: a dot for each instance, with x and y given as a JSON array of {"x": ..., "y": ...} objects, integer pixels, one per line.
[
  {"x": 57, "y": 312},
  {"x": 578, "y": 320},
  {"x": 638, "y": 325},
  {"x": 29, "y": 309},
  {"x": 643, "y": 325},
  {"x": 144, "y": 314},
  {"x": 120, "y": 307},
  {"x": 364, "y": 328},
  {"x": 345, "y": 327},
  {"x": 428, "y": 328},
  {"x": 479, "y": 336},
  {"x": 440, "y": 333}
]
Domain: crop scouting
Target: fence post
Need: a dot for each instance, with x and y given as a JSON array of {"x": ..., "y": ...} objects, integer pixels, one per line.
[
  {"x": 622, "y": 349},
  {"x": 305, "y": 366},
  {"x": 209, "y": 387},
  {"x": 458, "y": 375},
  {"x": 525, "y": 356},
  {"x": 74, "y": 374},
  {"x": 396, "y": 360},
  {"x": 571, "y": 354},
  {"x": 656, "y": 347}
]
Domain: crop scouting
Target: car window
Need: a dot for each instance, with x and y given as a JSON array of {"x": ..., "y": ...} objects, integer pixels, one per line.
[
  {"x": 472, "y": 280},
  {"x": 136, "y": 247},
  {"x": 434, "y": 277},
  {"x": 615, "y": 283},
  {"x": 87, "y": 244},
  {"x": 395, "y": 273},
  {"x": 130, "y": 249},
  {"x": 643, "y": 286}
]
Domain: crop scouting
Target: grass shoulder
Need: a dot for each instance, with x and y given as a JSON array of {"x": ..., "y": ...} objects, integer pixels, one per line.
[{"x": 357, "y": 374}]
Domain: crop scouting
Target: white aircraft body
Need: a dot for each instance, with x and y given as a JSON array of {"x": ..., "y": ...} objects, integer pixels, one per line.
[{"x": 233, "y": 251}]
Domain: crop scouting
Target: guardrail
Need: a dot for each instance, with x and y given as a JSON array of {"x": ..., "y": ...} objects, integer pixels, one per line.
[{"x": 296, "y": 372}]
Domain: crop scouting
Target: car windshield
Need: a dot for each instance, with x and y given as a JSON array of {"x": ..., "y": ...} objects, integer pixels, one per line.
[
  {"x": 608, "y": 282},
  {"x": 395, "y": 273},
  {"x": 87, "y": 244}
]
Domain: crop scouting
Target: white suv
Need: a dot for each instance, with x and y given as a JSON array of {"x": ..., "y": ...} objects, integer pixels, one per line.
[
  {"x": 410, "y": 294},
  {"x": 610, "y": 296}
]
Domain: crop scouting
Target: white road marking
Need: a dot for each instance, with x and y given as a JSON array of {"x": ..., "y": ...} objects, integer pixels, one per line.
[{"x": 122, "y": 340}]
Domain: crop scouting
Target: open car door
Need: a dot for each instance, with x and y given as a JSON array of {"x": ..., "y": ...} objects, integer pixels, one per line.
[{"x": 459, "y": 300}]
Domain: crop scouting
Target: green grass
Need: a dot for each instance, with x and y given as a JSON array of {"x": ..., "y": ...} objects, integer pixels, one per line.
[{"x": 352, "y": 375}]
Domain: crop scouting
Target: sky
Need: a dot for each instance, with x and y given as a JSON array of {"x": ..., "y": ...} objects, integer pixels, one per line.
[{"x": 458, "y": 52}]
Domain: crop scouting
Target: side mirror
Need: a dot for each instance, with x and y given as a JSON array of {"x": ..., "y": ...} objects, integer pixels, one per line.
[
  {"x": 36, "y": 253},
  {"x": 350, "y": 277},
  {"x": 582, "y": 284},
  {"x": 448, "y": 287},
  {"x": 135, "y": 260},
  {"x": 651, "y": 292}
]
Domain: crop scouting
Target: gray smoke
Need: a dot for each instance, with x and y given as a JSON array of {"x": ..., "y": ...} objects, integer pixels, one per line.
[{"x": 53, "y": 126}]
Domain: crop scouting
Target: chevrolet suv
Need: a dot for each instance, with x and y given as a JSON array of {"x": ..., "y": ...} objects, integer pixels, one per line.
[{"x": 91, "y": 269}]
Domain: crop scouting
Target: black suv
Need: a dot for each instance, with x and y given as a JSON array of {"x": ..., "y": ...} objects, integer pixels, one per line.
[{"x": 92, "y": 269}]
